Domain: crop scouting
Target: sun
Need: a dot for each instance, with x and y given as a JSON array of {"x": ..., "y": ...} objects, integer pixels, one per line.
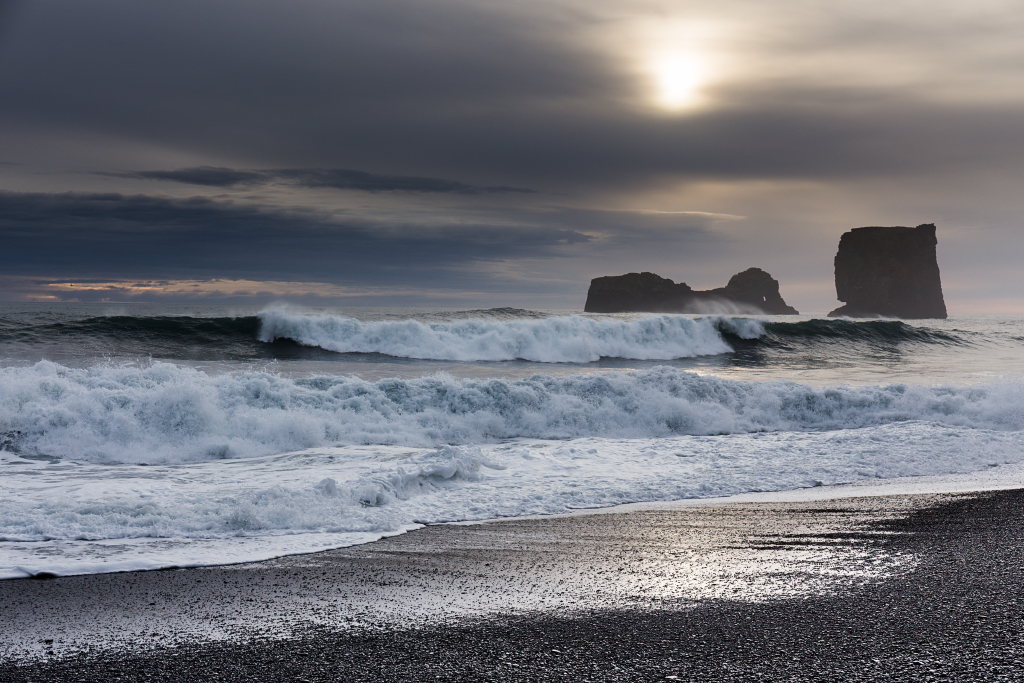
[{"x": 677, "y": 80}]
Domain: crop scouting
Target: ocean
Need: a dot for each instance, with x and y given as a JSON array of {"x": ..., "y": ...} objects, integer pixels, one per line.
[{"x": 151, "y": 436}]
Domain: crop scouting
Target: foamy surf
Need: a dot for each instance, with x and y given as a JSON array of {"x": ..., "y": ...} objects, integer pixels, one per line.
[
  {"x": 164, "y": 413},
  {"x": 73, "y": 517},
  {"x": 124, "y": 463}
]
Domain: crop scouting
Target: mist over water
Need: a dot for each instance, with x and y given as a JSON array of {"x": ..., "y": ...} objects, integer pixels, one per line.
[{"x": 148, "y": 436}]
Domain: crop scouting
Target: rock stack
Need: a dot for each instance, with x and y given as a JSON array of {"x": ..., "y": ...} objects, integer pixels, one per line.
[
  {"x": 752, "y": 291},
  {"x": 891, "y": 272}
]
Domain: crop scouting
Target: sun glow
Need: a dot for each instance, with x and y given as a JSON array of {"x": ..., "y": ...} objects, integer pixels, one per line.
[
  {"x": 677, "y": 80},
  {"x": 674, "y": 62}
]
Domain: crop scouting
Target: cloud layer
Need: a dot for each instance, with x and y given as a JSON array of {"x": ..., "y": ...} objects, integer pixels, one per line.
[
  {"x": 334, "y": 178},
  {"x": 468, "y": 142},
  {"x": 47, "y": 235}
]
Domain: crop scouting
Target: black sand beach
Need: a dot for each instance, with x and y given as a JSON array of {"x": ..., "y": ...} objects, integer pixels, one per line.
[{"x": 925, "y": 587}]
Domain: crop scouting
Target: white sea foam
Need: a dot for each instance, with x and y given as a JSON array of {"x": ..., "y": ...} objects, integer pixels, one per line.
[
  {"x": 558, "y": 339},
  {"x": 165, "y": 413},
  {"x": 69, "y": 517},
  {"x": 116, "y": 467}
]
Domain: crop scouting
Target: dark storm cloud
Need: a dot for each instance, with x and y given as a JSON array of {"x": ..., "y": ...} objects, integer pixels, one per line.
[
  {"x": 315, "y": 82},
  {"x": 120, "y": 237},
  {"x": 207, "y": 176},
  {"x": 346, "y": 179},
  {"x": 496, "y": 97},
  {"x": 114, "y": 235},
  {"x": 451, "y": 109},
  {"x": 335, "y": 178},
  {"x": 7, "y": 10}
]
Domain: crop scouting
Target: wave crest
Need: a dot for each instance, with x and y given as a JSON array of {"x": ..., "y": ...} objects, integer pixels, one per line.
[
  {"x": 167, "y": 413},
  {"x": 559, "y": 339},
  {"x": 882, "y": 331},
  {"x": 485, "y": 335}
]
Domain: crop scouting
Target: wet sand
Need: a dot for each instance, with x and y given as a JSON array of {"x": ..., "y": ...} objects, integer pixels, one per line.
[{"x": 902, "y": 587}]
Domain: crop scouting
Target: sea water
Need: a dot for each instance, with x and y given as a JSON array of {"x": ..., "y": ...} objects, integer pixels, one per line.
[{"x": 140, "y": 437}]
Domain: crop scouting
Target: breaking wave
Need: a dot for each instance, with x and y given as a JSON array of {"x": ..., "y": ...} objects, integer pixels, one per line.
[
  {"x": 559, "y": 339},
  {"x": 578, "y": 339},
  {"x": 168, "y": 413},
  {"x": 491, "y": 335}
]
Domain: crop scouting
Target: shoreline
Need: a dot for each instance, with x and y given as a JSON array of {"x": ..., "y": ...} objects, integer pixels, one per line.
[
  {"x": 1004, "y": 476},
  {"x": 513, "y": 577},
  {"x": 999, "y": 478}
]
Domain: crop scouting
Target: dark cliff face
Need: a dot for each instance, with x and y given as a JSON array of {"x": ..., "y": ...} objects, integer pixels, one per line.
[
  {"x": 635, "y": 292},
  {"x": 890, "y": 272},
  {"x": 752, "y": 291}
]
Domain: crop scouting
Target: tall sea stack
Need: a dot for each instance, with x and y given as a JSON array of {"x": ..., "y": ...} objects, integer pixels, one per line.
[
  {"x": 889, "y": 272},
  {"x": 752, "y": 291}
]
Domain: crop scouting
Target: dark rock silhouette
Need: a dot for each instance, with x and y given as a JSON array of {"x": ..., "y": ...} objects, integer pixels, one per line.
[
  {"x": 889, "y": 272},
  {"x": 752, "y": 291}
]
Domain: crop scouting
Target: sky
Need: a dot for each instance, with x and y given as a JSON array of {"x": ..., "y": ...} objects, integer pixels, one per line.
[{"x": 470, "y": 153}]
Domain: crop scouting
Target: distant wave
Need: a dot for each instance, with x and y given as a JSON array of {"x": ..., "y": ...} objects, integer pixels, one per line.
[
  {"x": 168, "y": 413},
  {"x": 485, "y": 335},
  {"x": 880, "y": 331},
  {"x": 578, "y": 339},
  {"x": 158, "y": 329},
  {"x": 559, "y": 339}
]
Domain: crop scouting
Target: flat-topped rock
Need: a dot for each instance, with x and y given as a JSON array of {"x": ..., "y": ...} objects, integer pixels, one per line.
[
  {"x": 752, "y": 291},
  {"x": 889, "y": 271}
]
